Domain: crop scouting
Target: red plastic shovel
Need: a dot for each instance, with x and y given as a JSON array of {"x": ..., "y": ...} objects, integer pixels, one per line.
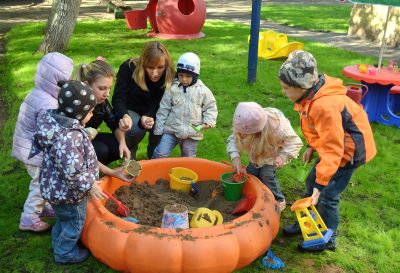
[
  {"x": 237, "y": 177},
  {"x": 121, "y": 208},
  {"x": 244, "y": 205}
]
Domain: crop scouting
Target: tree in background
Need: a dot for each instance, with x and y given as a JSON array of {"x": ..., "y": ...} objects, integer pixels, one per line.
[{"x": 60, "y": 25}]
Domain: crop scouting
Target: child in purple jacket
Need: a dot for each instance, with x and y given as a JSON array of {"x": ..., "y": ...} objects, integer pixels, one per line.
[{"x": 53, "y": 67}]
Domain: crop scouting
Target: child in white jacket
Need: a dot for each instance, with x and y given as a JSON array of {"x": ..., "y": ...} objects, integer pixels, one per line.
[{"x": 185, "y": 110}]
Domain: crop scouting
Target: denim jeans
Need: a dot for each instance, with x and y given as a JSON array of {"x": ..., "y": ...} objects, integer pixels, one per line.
[
  {"x": 67, "y": 230},
  {"x": 328, "y": 202},
  {"x": 169, "y": 141},
  {"x": 135, "y": 135},
  {"x": 267, "y": 175}
]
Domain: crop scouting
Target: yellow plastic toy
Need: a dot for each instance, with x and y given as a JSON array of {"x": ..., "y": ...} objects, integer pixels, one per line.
[
  {"x": 273, "y": 45},
  {"x": 204, "y": 217},
  {"x": 182, "y": 179},
  {"x": 311, "y": 224},
  {"x": 363, "y": 68}
]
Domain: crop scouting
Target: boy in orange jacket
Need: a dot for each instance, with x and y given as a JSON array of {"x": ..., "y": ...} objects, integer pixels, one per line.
[{"x": 335, "y": 127}]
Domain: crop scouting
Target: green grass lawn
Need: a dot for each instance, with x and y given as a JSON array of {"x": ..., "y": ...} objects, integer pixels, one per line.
[
  {"x": 369, "y": 229},
  {"x": 330, "y": 18}
]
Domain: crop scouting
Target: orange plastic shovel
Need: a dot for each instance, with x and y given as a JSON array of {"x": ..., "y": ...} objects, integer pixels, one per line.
[{"x": 121, "y": 208}]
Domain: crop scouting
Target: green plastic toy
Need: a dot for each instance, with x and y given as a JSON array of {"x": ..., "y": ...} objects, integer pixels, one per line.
[{"x": 197, "y": 128}]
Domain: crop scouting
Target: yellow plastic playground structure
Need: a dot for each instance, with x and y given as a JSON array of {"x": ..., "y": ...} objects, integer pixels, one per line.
[
  {"x": 273, "y": 45},
  {"x": 311, "y": 224}
]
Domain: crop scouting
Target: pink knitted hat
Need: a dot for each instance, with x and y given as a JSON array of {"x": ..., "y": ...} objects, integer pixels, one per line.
[{"x": 249, "y": 118}]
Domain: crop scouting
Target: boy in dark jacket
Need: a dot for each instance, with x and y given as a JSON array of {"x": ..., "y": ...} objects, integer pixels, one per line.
[{"x": 69, "y": 169}]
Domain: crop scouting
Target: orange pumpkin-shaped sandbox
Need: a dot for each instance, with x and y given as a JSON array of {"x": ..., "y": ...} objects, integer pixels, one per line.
[{"x": 131, "y": 247}]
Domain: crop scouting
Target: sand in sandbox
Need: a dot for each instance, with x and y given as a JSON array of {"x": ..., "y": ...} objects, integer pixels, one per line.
[{"x": 146, "y": 202}]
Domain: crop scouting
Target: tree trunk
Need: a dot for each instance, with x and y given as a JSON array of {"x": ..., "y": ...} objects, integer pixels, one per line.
[
  {"x": 50, "y": 18},
  {"x": 60, "y": 25},
  {"x": 368, "y": 22}
]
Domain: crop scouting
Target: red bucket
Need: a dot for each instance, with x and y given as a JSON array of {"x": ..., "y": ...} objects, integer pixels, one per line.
[
  {"x": 357, "y": 92},
  {"x": 136, "y": 19}
]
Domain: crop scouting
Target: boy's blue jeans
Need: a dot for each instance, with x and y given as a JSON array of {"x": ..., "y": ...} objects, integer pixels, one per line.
[
  {"x": 267, "y": 175},
  {"x": 67, "y": 230},
  {"x": 328, "y": 202},
  {"x": 169, "y": 141}
]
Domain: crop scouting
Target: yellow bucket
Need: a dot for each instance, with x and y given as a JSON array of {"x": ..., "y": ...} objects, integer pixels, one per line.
[{"x": 181, "y": 179}]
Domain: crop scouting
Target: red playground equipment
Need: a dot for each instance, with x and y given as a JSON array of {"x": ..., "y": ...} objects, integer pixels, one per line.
[{"x": 170, "y": 19}]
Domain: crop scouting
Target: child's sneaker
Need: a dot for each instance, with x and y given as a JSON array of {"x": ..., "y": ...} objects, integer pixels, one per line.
[
  {"x": 270, "y": 261},
  {"x": 36, "y": 225},
  {"x": 83, "y": 254},
  {"x": 47, "y": 212},
  {"x": 291, "y": 230},
  {"x": 330, "y": 245}
]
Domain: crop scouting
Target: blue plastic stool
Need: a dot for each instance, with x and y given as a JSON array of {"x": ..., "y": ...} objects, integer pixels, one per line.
[
  {"x": 382, "y": 104},
  {"x": 389, "y": 113}
]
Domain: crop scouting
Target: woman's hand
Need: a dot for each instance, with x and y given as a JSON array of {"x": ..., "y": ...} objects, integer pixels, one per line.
[
  {"x": 124, "y": 151},
  {"x": 279, "y": 162},
  {"x": 125, "y": 123},
  {"x": 123, "y": 148},
  {"x": 96, "y": 191},
  {"x": 308, "y": 155},
  {"x": 147, "y": 122}
]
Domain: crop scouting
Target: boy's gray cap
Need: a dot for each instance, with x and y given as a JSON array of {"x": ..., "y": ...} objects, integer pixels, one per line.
[{"x": 299, "y": 70}]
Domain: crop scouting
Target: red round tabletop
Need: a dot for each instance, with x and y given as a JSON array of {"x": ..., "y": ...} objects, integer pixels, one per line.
[{"x": 382, "y": 76}]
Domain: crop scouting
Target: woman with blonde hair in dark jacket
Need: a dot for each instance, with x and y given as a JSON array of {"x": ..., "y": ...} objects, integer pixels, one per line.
[
  {"x": 139, "y": 87},
  {"x": 109, "y": 146}
]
